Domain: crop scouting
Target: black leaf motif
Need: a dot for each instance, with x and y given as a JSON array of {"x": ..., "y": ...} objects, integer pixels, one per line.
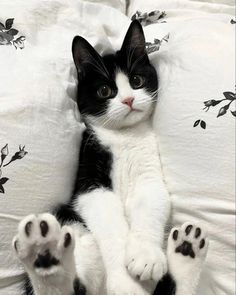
[
  {"x": 211, "y": 103},
  {"x": 9, "y": 23},
  {"x": 2, "y": 189},
  {"x": 196, "y": 123},
  {"x": 223, "y": 110},
  {"x": 229, "y": 95},
  {"x": 3, "y": 180},
  {"x": 8, "y": 35},
  {"x": 229, "y": 98},
  {"x": 147, "y": 18},
  {"x": 4, "y": 152},
  {"x": 203, "y": 124},
  {"x": 233, "y": 113},
  {"x": 2, "y": 26},
  {"x": 12, "y": 32}
]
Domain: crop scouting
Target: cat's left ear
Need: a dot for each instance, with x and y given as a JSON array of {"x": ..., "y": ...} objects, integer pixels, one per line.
[
  {"x": 85, "y": 55},
  {"x": 134, "y": 42}
]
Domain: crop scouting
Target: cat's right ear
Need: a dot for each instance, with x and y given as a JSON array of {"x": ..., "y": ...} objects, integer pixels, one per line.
[{"x": 84, "y": 54}]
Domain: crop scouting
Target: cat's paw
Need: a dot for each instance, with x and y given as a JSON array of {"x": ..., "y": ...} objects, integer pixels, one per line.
[
  {"x": 123, "y": 284},
  {"x": 186, "y": 251},
  {"x": 145, "y": 260},
  {"x": 44, "y": 247}
]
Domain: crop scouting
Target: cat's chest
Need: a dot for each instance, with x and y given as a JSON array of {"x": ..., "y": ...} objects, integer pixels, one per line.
[{"x": 132, "y": 151}]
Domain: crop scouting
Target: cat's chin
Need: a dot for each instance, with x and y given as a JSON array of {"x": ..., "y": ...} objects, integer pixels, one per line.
[{"x": 134, "y": 118}]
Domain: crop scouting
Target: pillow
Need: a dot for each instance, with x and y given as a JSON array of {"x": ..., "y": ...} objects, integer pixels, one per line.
[
  {"x": 117, "y": 4},
  {"x": 195, "y": 121},
  {"x": 39, "y": 124},
  {"x": 37, "y": 110},
  {"x": 195, "y": 124},
  {"x": 183, "y": 8}
]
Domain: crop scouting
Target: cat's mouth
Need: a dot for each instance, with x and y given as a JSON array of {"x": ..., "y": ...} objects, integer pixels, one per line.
[{"x": 133, "y": 110}]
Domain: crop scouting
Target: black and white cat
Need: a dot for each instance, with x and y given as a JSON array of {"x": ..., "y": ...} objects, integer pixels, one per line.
[{"x": 120, "y": 205}]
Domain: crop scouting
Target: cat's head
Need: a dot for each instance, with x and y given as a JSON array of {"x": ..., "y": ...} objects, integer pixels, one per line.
[{"x": 116, "y": 90}]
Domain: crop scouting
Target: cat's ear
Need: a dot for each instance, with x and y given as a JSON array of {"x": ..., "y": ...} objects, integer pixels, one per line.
[
  {"x": 134, "y": 42},
  {"x": 85, "y": 55}
]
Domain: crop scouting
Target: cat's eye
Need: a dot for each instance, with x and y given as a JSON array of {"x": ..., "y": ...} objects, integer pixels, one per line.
[
  {"x": 137, "y": 81},
  {"x": 104, "y": 91}
]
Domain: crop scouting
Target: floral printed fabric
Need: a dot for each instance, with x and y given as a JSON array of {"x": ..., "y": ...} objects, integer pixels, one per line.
[
  {"x": 8, "y": 35},
  {"x": 195, "y": 65},
  {"x": 4, "y": 153}
]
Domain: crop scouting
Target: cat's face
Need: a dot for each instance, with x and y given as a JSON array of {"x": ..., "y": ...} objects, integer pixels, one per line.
[{"x": 116, "y": 90}]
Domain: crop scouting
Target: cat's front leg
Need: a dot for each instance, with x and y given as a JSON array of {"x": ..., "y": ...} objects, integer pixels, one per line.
[
  {"x": 148, "y": 211},
  {"x": 103, "y": 213},
  {"x": 186, "y": 251},
  {"x": 47, "y": 252}
]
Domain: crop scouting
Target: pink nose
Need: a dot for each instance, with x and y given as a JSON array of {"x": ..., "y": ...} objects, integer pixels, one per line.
[{"x": 129, "y": 101}]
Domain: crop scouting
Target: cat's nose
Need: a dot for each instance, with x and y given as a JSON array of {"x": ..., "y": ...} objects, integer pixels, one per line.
[{"x": 129, "y": 101}]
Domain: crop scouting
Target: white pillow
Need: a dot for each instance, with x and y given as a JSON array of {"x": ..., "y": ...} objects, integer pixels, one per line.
[
  {"x": 194, "y": 65},
  {"x": 37, "y": 110},
  {"x": 197, "y": 65},
  {"x": 183, "y": 8},
  {"x": 117, "y": 4}
]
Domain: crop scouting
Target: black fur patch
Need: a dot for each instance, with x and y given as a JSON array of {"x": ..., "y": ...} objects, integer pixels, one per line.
[
  {"x": 65, "y": 213},
  {"x": 94, "y": 166},
  {"x": 79, "y": 288},
  {"x": 27, "y": 288},
  {"x": 166, "y": 286},
  {"x": 95, "y": 163}
]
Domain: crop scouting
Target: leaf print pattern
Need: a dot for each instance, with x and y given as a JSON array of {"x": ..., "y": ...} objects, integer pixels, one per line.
[
  {"x": 8, "y": 35},
  {"x": 202, "y": 124},
  {"x": 17, "y": 156},
  {"x": 147, "y": 18},
  {"x": 229, "y": 98},
  {"x": 155, "y": 46}
]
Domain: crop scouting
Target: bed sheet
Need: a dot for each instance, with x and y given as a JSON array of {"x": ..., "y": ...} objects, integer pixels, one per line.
[{"x": 192, "y": 48}]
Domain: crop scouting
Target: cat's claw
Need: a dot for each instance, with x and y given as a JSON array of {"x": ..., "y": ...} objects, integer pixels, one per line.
[{"x": 145, "y": 260}]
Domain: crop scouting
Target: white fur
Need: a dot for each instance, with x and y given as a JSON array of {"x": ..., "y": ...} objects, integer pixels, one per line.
[
  {"x": 57, "y": 280},
  {"x": 184, "y": 269},
  {"x": 89, "y": 266}
]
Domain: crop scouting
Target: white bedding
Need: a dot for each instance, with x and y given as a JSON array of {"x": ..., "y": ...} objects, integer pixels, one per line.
[{"x": 37, "y": 110}]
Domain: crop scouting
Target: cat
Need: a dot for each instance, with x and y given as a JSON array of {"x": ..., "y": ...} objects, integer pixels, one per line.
[{"x": 120, "y": 204}]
